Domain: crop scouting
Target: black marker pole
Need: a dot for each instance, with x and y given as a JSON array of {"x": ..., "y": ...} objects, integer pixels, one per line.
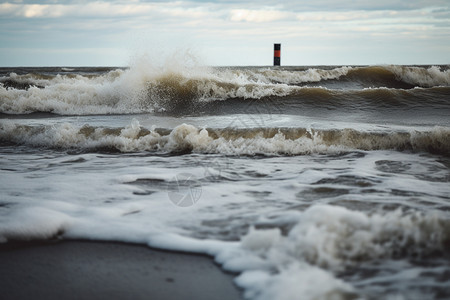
[{"x": 276, "y": 54}]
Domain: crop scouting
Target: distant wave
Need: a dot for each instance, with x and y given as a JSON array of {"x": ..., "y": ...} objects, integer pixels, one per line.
[
  {"x": 229, "y": 141},
  {"x": 392, "y": 75}
]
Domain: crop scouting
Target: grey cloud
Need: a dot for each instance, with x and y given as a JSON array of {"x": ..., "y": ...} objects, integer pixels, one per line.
[
  {"x": 299, "y": 23},
  {"x": 292, "y": 5}
]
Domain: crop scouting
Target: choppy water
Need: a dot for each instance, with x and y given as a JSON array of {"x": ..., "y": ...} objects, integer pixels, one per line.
[{"x": 307, "y": 182}]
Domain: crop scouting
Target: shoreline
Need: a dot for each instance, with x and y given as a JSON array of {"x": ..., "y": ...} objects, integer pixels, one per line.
[{"x": 95, "y": 269}]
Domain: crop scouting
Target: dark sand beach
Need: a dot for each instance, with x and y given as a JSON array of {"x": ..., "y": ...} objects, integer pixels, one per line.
[{"x": 100, "y": 270}]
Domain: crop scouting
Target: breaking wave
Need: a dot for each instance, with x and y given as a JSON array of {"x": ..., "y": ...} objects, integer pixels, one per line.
[
  {"x": 143, "y": 88},
  {"x": 229, "y": 141}
]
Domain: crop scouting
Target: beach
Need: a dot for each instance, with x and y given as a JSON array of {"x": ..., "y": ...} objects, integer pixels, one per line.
[{"x": 100, "y": 270}]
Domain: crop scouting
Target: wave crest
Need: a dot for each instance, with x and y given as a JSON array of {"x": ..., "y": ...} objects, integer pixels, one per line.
[{"x": 230, "y": 141}]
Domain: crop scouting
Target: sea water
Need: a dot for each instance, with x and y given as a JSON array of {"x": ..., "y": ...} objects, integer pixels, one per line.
[{"x": 326, "y": 182}]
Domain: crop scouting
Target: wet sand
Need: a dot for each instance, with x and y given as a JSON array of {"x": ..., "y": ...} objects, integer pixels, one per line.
[{"x": 103, "y": 270}]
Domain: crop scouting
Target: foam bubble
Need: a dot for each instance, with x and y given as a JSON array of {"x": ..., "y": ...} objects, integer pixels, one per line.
[{"x": 33, "y": 223}]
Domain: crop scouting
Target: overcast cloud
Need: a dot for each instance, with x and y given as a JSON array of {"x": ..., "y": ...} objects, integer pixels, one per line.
[{"x": 73, "y": 33}]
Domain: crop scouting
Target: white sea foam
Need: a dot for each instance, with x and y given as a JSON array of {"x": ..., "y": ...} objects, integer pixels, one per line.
[
  {"x": 33, "y": 223},
  {"x": 298, "y": 280},
  {"x": 328, "y": 239}
]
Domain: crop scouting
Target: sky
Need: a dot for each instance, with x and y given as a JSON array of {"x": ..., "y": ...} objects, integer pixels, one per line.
[{"x": 224, "y": 33}]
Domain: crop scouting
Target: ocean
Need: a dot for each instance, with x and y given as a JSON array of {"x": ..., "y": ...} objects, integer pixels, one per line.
[{"x": 325, "y": 182}]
